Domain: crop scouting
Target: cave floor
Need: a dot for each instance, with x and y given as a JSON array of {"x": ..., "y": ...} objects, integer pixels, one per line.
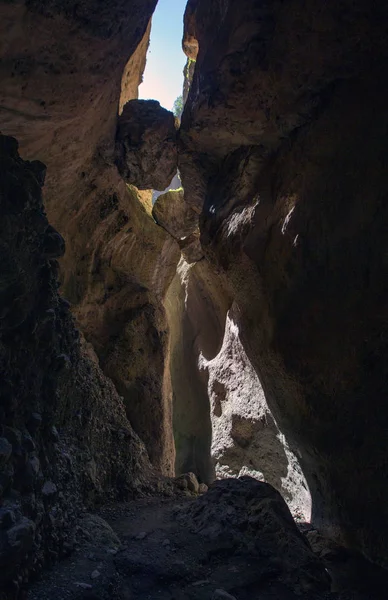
[{"x": 148, "y": 553}]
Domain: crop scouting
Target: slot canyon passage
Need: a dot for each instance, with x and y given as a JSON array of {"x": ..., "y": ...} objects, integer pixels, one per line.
[{"x": 193, "y": 389}]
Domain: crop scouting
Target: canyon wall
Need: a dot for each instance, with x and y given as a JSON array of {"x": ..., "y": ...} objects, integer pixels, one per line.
[
  {"x": 255, "y": 310},
  {"x": 66, "y": 72},
  {"x": 56, "y": 406},
  {"x": 221, "y": 420},
  {"x": 283, "y": 144}
]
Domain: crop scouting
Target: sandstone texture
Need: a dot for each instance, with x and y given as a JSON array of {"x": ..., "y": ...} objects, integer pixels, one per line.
[
  {"x": 65, "y": 441},
  {"x": 196, "y": 304},
  {"x": 188, "y": 74},
  {"x": 223, "y": 426},
  {"x": 121, "y": 312},
  {"x": 66, "y": 71},
  {"x": 171, "y": 212},
  {"x": 236, "y": 327},
  {"x": 282, "y": 146},
  {"x": 245, "y": 437},
  {"x": 133, "y": 72},
  {"x": 146, "y": 153}
]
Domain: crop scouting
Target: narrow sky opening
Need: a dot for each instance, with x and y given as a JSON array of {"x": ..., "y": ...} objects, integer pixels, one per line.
[{"x": 163, "y": 75}]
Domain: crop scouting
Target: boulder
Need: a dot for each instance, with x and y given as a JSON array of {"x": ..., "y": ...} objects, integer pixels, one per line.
[
  {"x": 251, "y": 519},
  {"x": 188, "y": 482},
  {"x": 146, "y": 153},
  {"x": 175, "y": 216}
]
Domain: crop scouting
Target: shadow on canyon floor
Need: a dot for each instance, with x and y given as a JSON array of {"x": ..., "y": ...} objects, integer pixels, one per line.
[{"x": 151, "y": 550}]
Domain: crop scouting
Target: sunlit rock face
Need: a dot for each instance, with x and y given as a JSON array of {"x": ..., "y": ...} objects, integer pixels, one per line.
[
  {"x": 133, "y": 72},
  {"x": 245, "y": 437},
  {"x": 80, "y": 63},
  {"x": 146, "y": 154},
  {"x": 65, "y": 441},
  {"x": 222, "y": 424},
  {"x": 283, "y": 144}
]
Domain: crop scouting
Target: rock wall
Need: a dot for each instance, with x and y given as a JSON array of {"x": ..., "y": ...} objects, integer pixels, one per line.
[
  {"x": 282, "y": 154},
  {"x": 282, "y": 150},
  {"x": 196, "y": 307},
  {"x": 245, "y": 437},
  {"x": 222, "y": 424},
  {"x": 66, "y": 71},
  {"x": 65, "y": 441},
  {"x": 135, "y": 66}
]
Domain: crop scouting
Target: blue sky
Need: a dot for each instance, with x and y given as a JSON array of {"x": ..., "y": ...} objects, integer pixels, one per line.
[{"x": 163, "y": 77}]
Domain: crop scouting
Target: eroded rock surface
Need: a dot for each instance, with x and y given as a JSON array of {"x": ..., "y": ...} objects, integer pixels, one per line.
[
  {"x": 282, "y": 145},
  {"x": 65, "y": 441},
  {"x": 171, "y": 212},
  {"x": 119, "y": 307},
  {"x": 146, "y": 153},
  {"x": 223, "y": 426},
  {"x": 245, "y": 437},
  {"x": 133, "y": 72},
  {"x": 196, "y": 304},
  {"x": 282, "y": 151},
  {"x": 66, "y": 71},
  {"x": 252, "y": 518}
]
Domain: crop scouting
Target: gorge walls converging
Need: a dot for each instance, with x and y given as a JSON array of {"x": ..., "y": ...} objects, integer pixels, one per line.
[
  {"x": 244, "y": 308},
  {"x": 282, "y": 145}
]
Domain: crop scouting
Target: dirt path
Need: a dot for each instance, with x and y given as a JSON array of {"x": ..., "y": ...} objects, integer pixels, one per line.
[{"x": 147, "y": 550}]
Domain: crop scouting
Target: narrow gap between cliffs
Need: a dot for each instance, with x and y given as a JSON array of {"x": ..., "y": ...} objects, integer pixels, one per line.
[{"x": 163, "y": 75}]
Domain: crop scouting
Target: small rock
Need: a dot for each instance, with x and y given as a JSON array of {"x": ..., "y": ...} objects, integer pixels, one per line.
[
  {"x": 54, "y": 435},
  {"x": 49, "y": 488},
  {"x": 62, "y": 362},
  {"x": 146, "y": 150},
  {"x": 224, "y": 595},
  {"x": 95, "y": 574},
  {"x": 14, "y": 437},
  {"x": 84, "y": 586},
  {"x": 202, "y": 488},
  {"x": 188, "y": 481},
  {"x": 21, "y": 535},
  {"x": 171, "y": 212},
  {"x": 34, "y": 464},
  {"x": 141, "y": 535}
]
